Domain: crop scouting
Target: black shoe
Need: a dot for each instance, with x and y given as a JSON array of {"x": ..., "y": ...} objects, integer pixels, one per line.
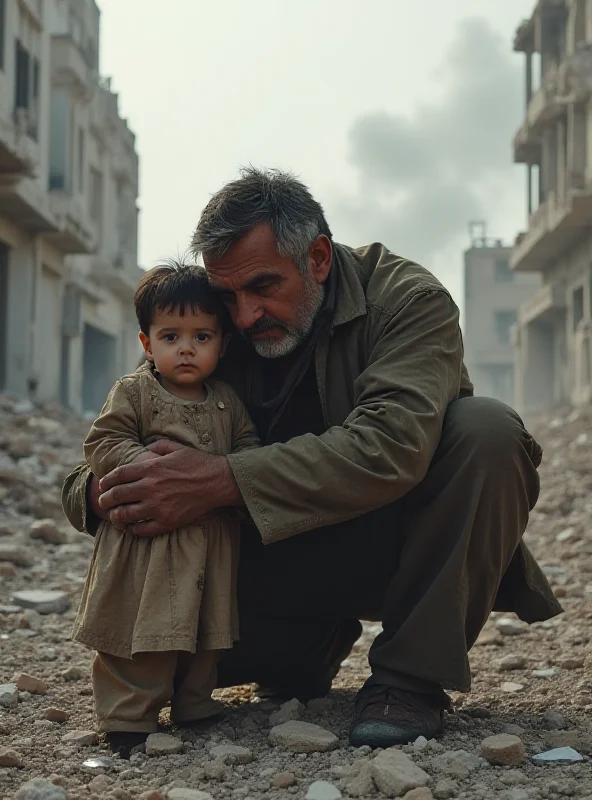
[
  {"x": 305, "y": 687},
  {"x": 123, "y": 742},
  {"x": 385, "y": 716}
]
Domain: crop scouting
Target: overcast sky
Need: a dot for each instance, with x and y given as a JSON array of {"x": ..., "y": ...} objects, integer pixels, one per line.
[{"x": 398, "y": 115}]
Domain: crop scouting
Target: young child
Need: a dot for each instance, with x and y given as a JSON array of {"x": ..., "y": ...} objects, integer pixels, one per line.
[{"x": 158, "y": 610}]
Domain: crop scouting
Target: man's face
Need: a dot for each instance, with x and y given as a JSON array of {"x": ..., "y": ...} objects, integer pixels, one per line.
[{"x": 271, "y": 302}]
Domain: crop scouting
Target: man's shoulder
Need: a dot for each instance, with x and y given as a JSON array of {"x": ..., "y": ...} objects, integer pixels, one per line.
[{"x": 388, "y": 279}]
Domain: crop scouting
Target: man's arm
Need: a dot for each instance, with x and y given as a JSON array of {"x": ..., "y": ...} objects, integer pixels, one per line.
[{"x": 385, "y": 446}]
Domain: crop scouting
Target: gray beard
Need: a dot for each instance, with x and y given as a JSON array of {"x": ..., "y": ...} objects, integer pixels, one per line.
[{"x": 292, "y": 337}]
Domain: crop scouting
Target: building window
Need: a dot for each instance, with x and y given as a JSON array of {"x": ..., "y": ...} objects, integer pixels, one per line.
[
  {"x": 502, "y": 271},
  {"x": 26, "y": 90},
  {"x": 577, "y": 306},
  {"x": 60, "y": 109},
  {"x": 2, "y": 31},
  {"x": 504, "y": 320},
  {"x": 80, "y": 160},
  {"x": 96, "y": 196}
]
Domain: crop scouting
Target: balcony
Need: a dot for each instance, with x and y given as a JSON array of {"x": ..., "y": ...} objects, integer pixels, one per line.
[
  {"x": 26, "y": 204},
  {"x": 75, "y": 234},
  {"x": 69, "y": 66},
  {"x": 18, "y": 152},
  {"x": 554, "y": 226},
  {"x": 548, "y": 302},
  {"x": 116, "y": 275}
]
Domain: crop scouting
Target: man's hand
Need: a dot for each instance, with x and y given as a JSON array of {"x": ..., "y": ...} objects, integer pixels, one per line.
[{"x": 176, "y": 489}]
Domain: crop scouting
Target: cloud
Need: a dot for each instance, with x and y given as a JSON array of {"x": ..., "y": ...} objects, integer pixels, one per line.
[{"x": 420, "y": 179}]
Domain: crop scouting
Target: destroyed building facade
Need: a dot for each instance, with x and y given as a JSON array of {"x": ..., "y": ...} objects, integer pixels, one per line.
[
  {"x": 68, "y": 209},
  {"x": 553, "y": 332},
  {"x": 493, "y": 294}
]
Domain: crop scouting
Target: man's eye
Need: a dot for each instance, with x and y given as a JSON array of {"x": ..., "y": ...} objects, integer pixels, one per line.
[{"x": 202, "y": 337}]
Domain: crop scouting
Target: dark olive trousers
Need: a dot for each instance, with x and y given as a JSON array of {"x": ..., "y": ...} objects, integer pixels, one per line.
[{"x": 429, "y": 567}]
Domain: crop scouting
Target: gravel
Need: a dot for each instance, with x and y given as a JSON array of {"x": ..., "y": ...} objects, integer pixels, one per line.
[{"x": 260, "y": 750}]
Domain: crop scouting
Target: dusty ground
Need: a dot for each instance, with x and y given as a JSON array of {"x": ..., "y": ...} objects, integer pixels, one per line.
[{"x": 532, "y": 683}]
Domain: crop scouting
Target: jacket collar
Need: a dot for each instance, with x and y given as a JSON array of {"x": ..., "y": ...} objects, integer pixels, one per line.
[{"x": 350, "y": 298}]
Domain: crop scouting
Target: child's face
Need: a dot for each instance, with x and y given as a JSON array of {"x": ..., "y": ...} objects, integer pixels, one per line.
[{"x": 185, "y": 348}]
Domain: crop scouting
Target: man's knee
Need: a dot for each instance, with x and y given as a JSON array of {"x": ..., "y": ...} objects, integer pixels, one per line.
[{"x": 489, "y": 431}]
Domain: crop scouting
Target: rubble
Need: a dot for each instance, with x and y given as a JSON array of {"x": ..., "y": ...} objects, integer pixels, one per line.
[{"x": 51, "y": 738}]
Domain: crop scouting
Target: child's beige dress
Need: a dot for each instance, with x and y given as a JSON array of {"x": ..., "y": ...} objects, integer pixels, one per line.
[{"x": 162, "y": 594}]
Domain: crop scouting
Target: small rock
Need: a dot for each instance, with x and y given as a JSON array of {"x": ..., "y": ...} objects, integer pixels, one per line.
[
  {"x": 40, "y": 789},
  {"x": 56, "y": 715},
  {"x": 510, "y": 627},
  {"x": 511, "y": 662},
  {"x": 445, "y": 789},
  {"x": 423, "y": 793},
  {"x": 151, "y": 794},
  {"x": 100, "y": 784},
  {"x": 503, "y": 749},
  {"x": 45, "y": 601},
  {"x": 188, "y": 794},
  {"x": 232, "y": 754},
  {"x": 303, "y": 737},
  {"x": 161, "y": 744},
  {"x": 99, "y": 762},
  {"x": 362, "y": 784},
  {"x": 47, "y": 654},
  {"x": 395, "y": 773},
  {"x": 81, "y": 738},
  {"x": 31, "y": 684},
  {"x": 15, "y": 554},
  {"x": 74, "y": 674},
  {"x": 288, "y": 711},
  {"x": 488, "y": 638},
  {"x": 318, "y": 705},
  {"x": 420, "y": 743},
  {"x": 557, "y": 739},
  {"x": 9, "y": 695},
  {"x": 323, "y": 790},
  {"x": 513, "y": 730},
  {"x": 457, "y": 763},
  {"x": 544, "y": 673},
  {"x": 47, "y": 530},
  {"x": 283, "y": 780},
  {"x": 576, "y": 662},
  {"x": 554, "y": 720},
  {"x": 515, "y": 794},
  {"x": 565, "y": 754},
  {"x": 511, "y": 688},
  {"x": 10, "y": 758}
]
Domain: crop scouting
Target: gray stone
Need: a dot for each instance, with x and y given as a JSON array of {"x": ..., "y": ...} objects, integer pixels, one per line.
[
  {"x": 303, "y": 737},
  {"x": 504, "y": 749},
  {"x": 288, "y": 711},
  {"x": 232, "y": 754},
  {"x": 511, "y": 688},
  {"x": 45, "y": 601},
  {"x": 544, "y": 673},
  {"x": 47, "y": 530},
  {"x": 445, "y": 789},
  {"x": 323, "y": 790},
  {"x": 81, "y": 738},
  {"x": 511, "y": 662},
  {"x": 40, "y": 789},
  {"x": 10, "y": 758},
  {"x": 510, "y": 627},
  {"x": 283, "y": 780},
  {"x": 15, "y": 554},
  {"x": 188, "y": 794},
  {"x": 515, "y": 794},
  {"x": 362, "y": 784},
  {"x": 554, "y": 720},
  {"x": 395, "y": 773},
  {"x": 161, "y": 744},
  {"x": 559, "y": 754},
  {"x": 75, "y": 674},
  {"x": 9, "y": 695}
]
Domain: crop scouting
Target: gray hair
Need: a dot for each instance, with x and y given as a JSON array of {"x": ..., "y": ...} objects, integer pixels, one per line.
[{"x": 271, "y": 196}]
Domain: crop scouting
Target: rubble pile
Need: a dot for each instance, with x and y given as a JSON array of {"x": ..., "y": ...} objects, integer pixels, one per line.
[{"x": 524, "y": 732}]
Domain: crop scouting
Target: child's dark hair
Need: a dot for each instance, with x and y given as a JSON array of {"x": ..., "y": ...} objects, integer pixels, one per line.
[{"x": 176, "y": 287}]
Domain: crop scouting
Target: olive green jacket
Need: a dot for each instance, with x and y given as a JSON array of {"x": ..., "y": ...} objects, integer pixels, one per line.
[{"x": 387, "y": 369}]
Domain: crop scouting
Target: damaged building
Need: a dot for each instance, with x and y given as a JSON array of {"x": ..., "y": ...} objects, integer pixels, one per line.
[
  {"x": 553, "y": 332},
  {"x": 68, "y": 209}
]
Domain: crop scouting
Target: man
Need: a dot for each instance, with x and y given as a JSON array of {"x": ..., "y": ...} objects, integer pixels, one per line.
[{"x": 384, "y": 491}]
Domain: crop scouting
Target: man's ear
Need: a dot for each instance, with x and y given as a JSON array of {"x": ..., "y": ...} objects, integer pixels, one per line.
[
  {"x": 225, "y": 342},
  {"x": 145, "y": 340},
  {"x": 320, "y": 258}
]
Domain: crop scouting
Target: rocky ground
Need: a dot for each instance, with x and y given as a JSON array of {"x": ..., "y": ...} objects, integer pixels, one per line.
[{"x": 532, "y": 685}]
